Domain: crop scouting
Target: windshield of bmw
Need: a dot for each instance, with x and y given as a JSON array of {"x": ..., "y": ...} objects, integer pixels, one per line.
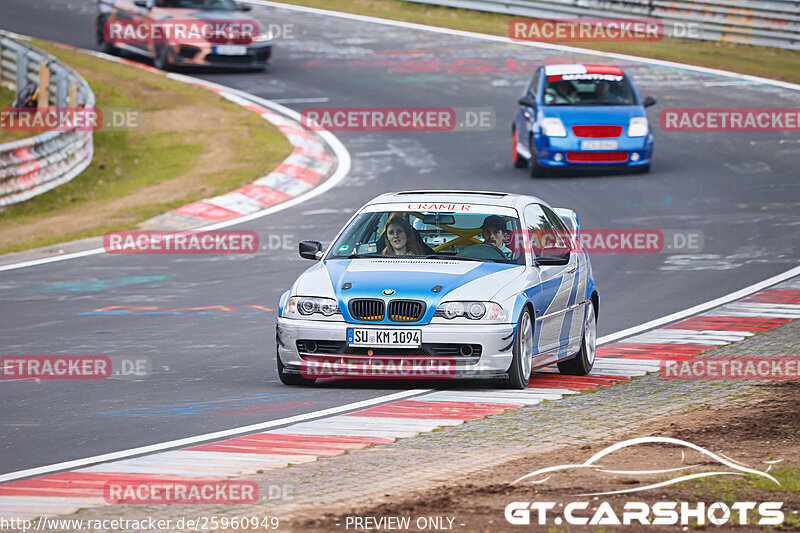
[
  {"x": 209, "y": 5},
  {"x": 458, "y": 231},
  {"x": 588, "y": 89}
]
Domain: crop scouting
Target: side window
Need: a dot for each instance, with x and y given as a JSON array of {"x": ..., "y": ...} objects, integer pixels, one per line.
[
  {"x": 562, "y": 233},
  {"x": 537, "y": 229},
  {"x": 534, "y": 85}
]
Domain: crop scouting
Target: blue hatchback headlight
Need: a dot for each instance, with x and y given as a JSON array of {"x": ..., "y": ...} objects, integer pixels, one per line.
[{"x": 638, "y": 127}]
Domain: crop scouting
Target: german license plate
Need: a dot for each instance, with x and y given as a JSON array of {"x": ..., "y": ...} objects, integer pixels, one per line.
[
  {"x": 384, "y": 338},
  {"x": 230, "y": 50},
  {"x": 599, "y": 145}
]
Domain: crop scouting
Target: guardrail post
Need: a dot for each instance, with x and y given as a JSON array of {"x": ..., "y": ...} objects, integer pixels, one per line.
[
  {"x": 22, "y": 70},
  {"x": 44, "y": 85},
  {"x": 72, "y": 99},
  {"x": 61, "y": 87}
]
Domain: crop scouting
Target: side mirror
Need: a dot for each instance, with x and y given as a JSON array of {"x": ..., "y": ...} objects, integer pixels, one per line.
[
  {"x": 553, "y": 256},
  {"x": 147, "y": 4},
  {"x": 649, "y": 101},
  {"x": 244, "y": 7},
  {"x": 311, "y": 250},
  {"x": 527, "y": 101}
]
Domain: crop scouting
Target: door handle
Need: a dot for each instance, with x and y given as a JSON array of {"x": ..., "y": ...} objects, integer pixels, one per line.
[{"x": 571, "y": 270}]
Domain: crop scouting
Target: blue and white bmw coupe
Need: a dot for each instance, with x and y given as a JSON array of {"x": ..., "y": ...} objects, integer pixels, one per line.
[
  {"x": 442, "y": 284},
  {"x": 581, "y": 116}
]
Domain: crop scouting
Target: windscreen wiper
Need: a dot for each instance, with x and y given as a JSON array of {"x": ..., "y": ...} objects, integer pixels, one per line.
[{"x": 453, "y": 257}]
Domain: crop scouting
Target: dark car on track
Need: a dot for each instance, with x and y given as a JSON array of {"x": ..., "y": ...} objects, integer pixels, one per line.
[{"x": 210, "y": 33}]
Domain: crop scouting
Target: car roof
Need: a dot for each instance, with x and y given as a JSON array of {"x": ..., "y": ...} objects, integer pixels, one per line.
[
  {"x": 517, "y": 201},
  {"x": 581, "y": 68}
]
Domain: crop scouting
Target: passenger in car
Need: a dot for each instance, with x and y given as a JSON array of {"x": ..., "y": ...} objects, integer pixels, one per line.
[{"x": 401, "y": 239}]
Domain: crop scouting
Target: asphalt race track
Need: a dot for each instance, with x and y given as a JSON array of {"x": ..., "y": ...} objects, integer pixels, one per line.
[{"x": 216, "y": 370}]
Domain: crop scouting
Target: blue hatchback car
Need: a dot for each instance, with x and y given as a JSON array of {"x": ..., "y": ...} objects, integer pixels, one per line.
[{"x": 581, "y": 116}]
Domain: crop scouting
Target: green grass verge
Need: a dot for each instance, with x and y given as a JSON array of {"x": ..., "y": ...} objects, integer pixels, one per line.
[
  {"x": 774, "y": 63},
  {"x": 6, "y": 99},
  {"x": 731, "y": 489},
  {"x": 192, "y": 144}
]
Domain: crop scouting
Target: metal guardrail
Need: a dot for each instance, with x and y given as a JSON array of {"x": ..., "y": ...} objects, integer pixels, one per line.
[
  {"x": 769, "y": 23},
  {"x": 29, "y": 167}
]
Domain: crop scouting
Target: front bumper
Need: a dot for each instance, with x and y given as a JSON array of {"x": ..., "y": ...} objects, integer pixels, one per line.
[
  {"x": 257, "y": 56},
  {"x": 561, "y": 152},
  {"x": 494, "y": 360}
]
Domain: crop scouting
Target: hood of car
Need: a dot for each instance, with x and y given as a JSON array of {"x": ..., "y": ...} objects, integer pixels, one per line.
[
  {"x": 405, "y": 279},
  {"x": 167, "y": 13},
  {"x": 582, "y": 115},
  {"x": 232, "y": 16}
]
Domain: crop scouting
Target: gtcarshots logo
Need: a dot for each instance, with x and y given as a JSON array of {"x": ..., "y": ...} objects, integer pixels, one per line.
[
  {"x": 641, "y": 513},
  {"x": 593, "y": 511}
]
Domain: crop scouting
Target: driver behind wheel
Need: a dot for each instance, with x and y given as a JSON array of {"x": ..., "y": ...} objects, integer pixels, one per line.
[{"x": 494, "y": 232}]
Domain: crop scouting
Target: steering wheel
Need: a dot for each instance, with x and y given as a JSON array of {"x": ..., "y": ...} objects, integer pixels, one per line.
[{"x": 483, "y": 251}]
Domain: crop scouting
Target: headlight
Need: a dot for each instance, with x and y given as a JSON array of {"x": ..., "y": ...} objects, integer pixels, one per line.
[
  {"x": 638, "y": 127},
  {"x": 470, "y": 310},
  {"x": 553, "y": 127},
  {"x": 303, "y": 306},
  {"x": 263, "y": 37}
]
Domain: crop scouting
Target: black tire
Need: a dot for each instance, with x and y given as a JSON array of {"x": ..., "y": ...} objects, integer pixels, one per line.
[
  {"x": 644, "y": 170},
  {"x": 519, "y": 373},
  {"x": 537, "y": 170},
  {"x": 582, "y": 363},
  {"x": 291, "y": 379},
  {"x": 161, "y": 58},
  {"x": 518, "y": 160},
  {"x": 102, "y": 44}
]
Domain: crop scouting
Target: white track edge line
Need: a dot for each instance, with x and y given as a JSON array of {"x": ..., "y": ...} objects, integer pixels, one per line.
[
  {"x": 205, "y": 437},
  {"x": 701, "y": 307}
]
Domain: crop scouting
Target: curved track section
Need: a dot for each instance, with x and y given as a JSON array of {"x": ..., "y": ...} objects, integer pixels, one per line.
[{"x": 213, "y": 369}]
